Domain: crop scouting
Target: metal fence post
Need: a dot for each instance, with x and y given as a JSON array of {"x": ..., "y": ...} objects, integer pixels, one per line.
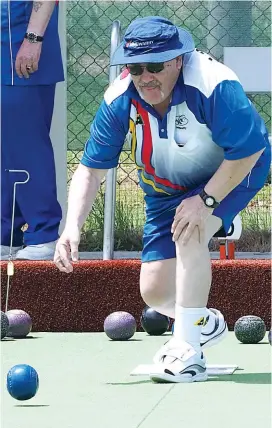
[{"x": 110, "y": 192}]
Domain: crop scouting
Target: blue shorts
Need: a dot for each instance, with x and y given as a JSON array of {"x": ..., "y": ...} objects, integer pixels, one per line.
[{"x": 160, "y": 211}]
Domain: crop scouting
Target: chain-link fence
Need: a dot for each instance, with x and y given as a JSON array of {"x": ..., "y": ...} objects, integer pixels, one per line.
[{"x": 213, "y": 25}]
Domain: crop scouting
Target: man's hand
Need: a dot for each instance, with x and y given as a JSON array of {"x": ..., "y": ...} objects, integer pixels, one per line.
[
  {"x": 66, "y": 248},
  {"x": 191, "y": 213},
  {"x": 27, "y": 59}
]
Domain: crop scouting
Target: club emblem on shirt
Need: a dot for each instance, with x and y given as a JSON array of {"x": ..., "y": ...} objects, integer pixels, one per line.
[{"x": 181, "y": 121}]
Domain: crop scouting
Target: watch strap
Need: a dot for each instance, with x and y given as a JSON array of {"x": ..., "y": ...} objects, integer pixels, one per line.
[
  {"x": 33, "y": 37},
  {"x": 204, "y": 196}
]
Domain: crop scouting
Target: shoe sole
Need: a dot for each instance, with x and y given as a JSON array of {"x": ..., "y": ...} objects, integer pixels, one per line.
[
  {"x": 215, "y": 339},
  {"x": 166, "y": 378}
]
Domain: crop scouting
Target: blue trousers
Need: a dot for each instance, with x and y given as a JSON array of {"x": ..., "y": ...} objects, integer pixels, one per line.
[{"x": 26, "y": 114}]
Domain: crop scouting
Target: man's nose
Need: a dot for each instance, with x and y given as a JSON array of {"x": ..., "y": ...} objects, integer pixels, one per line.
[{"x": 147, "y": 77}]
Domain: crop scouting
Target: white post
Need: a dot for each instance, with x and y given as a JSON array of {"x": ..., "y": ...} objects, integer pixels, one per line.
[
  {"x": 110, "y": 193},
  {"x": 59, "y": 123},
  {"x": 252, "y": 66}
]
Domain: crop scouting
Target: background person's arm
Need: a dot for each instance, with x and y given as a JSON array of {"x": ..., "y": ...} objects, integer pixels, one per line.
[
  {"x": 40, "y": 16},
  {"x": 27, "y": 59}
]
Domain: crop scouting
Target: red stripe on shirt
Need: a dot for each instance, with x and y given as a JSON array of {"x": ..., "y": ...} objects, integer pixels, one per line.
[{"x": 147, "y": 149}]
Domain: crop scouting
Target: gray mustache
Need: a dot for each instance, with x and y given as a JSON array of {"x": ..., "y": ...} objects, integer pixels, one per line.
[{"x": 149, "y": 86}]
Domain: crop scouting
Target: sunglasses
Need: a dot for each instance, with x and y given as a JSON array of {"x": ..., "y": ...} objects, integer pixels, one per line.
[{"x": 151, "y": 67}]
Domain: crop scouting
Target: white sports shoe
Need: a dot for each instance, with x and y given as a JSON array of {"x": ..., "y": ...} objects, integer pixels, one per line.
[
  {"x": 37, "y": 252},
  {"x": 210, "y": 338},
  {"x": 5, "y": 252},
  {"x": 180, "y": 363},
  {"x": 218, "y": 333}
]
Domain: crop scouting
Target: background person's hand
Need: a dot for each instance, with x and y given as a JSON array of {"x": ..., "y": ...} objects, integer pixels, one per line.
[
  {"x": 191, "y": 213},
  {"x": 27, "y": 59},
  {"x": 67, "y": 249}
]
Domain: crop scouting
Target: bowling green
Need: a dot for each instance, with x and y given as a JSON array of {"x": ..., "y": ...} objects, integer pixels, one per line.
[{"x": 85, "y": 382}]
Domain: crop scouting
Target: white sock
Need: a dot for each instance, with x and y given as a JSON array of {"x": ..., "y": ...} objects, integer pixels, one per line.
[{"x": 188, "y": 324}]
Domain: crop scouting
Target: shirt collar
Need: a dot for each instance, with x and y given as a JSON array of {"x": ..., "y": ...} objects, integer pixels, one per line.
[{"x": 179, "y": 95}]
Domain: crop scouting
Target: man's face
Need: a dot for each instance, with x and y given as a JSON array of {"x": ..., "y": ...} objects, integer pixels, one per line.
[{"x": 154, "y": 88}]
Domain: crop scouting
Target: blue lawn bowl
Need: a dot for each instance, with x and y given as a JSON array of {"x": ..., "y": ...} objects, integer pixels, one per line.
[
  {"x": 270, "y": 337},
  {"x": 22, "y": 382}
]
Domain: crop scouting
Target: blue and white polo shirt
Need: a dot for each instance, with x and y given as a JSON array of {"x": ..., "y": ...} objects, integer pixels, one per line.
[{"x": 208, "y": 120}]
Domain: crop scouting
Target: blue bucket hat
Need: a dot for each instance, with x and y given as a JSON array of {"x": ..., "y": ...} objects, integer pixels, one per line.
[{"x": 152, "y": 39}]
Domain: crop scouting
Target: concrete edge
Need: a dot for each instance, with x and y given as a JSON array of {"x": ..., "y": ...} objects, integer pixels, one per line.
[{"x": 98, "y": 255}]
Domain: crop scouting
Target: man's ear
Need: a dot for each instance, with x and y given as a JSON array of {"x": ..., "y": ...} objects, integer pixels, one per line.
[{"x": 179, "y": 62}]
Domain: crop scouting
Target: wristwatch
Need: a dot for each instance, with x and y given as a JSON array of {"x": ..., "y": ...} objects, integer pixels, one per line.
[
  {"x": 208, "y": 200},
  {"x": 33, "y": 37}
]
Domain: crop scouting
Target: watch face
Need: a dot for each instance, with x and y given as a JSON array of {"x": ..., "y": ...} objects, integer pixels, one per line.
[
  {"x": 209, "y": 201},
  {"x": 32, "y": 37}
]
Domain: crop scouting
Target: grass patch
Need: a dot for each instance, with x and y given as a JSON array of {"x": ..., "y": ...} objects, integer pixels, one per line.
[{"x": 128, "y": 228}]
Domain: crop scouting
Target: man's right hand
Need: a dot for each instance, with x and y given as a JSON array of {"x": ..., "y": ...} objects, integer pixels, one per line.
[{"x": 67, "y": 249}]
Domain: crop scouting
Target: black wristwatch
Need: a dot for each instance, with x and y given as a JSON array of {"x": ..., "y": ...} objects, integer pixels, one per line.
[
  {"x": 208, "y": 200},
  {"x": 33, "y": 37}
]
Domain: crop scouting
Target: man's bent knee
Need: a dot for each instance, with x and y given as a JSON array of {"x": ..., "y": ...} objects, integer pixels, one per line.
[
  {"x": 157, "y": 282},
  {"x": 193, "y": 246}
]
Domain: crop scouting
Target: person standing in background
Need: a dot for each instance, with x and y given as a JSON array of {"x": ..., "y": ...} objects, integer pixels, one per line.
[{"x": 31, "y": 65}]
